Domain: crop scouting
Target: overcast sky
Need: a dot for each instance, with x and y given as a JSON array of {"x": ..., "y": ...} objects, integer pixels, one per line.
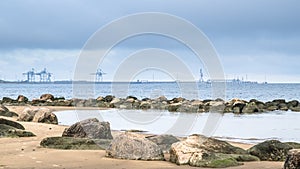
[{"x": 257, "y": 38}]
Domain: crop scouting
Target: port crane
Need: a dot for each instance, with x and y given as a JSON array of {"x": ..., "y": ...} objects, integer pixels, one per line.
[
  {"x": 44, "y": 75},
  {"x": 99, "y": 75},
  {"x": 201, "y": 76}
]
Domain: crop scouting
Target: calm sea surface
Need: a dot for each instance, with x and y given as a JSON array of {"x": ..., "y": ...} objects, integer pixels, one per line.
[
  {"x": 263, "y": 92},
  {"x": 247, "y": 128},
  {"x": 255, "y": 128}
]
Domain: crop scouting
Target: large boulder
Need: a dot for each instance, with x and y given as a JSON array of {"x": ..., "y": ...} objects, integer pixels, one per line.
[
  {"x": 44, "y": 115},
  {"x": 132, "y": 146},
  {"x": 27, "y": 114},
  {"x": 293, "y": 160},
  {"x": 89, "y": 128},
  {"x": 198, "y": 146},
  {"x": 5, "y": 112},
  {"x": 272, "y": 150},
  {"x": 163, "y": 141},
  {"x": 71, "y": 143},
  {"x": 39, "y": 115}
]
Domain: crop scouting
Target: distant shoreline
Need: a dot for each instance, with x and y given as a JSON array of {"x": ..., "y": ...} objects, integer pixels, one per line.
[{"x": 139, "y": 82}]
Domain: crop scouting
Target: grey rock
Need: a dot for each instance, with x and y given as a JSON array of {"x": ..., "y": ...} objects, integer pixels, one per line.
[
  {"x": 145, "y": 105},
  {"x": 12, "y": 124},
  {"x": 174, "y": 107},
  {"x": 272, "y": 150},
  {"x": 296, "y": 109},
  {"x": 44, "y": 115},
  {"x": 131, "y": 97},
  {"x": 39, "y": 115},
  {"x": 219, "y": 160},
  {"x": 161, "y": 98},
  {"x": 196, "y": 145},
  {"x": 278, "y": 101},
  {"x": 27, "y": 114},
  {"x": 294, "y": 145},
  {"x": 132, "y": 146},
  {"x": 71, "y": 143},
  {"x": 108, "y": 98},
  {"x": 47, "y": 97},
  {"x": 5, "y": 112},
  {"x": 293, "y": 103},
  {"x": 89, "y": 128},
  {"x": 22, "y": 98},
  {"x": 163, "y": 141},
  {"x": 250, "y": 108},
  {"x": 115, "y": 103},
  {"x": 293, "y": 159},
  {"x": 272, "y": 108},
  {"x": 283, "y": 107},
  {"x": 8, "y": 100},
  {"x": 236, "y": 105},
  {"x": 10, "y": 128},
  {"x": 177, "y": 100},
  {"x": 90, "y": 103},
  {"x": 9, "y": 131}
]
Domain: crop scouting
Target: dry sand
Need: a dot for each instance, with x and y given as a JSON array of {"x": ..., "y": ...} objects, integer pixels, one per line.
[{"x": 27, "y": 153}]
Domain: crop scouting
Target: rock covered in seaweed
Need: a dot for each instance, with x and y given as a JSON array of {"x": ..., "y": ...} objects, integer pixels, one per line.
[
  {"x": 4, "y": 111},
  {"x": 71, "y": 143},
  {"x": 271, "y": 150},
  {"x": 10, "y": 128},
  {"x": 201, "y": 151}
]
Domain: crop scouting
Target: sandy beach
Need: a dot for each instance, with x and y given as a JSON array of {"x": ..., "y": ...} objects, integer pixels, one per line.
[{"x": 27, "y": 153}]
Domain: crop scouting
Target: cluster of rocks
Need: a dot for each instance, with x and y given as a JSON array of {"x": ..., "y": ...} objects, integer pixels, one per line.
[
  {"x": 195, "y": 150},
  {"x": 162, "y": 103},
  {"x": 31, "y": 114},
  {"x": 10, "y": 128},
  {"x": 38, "y": 115}
]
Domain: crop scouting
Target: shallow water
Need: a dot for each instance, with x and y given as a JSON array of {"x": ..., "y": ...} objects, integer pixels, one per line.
[{"x": 254, "y": 128}]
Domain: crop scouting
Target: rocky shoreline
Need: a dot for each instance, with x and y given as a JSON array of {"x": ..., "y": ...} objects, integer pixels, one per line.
[
  {"x": 180, "y": 104},
  {"x": 195, "y": 150}
]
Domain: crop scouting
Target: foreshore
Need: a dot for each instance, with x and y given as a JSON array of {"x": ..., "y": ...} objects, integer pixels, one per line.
[{"x": 26, "y": 152}]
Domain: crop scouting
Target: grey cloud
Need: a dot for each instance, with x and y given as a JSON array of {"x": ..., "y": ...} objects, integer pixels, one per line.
[{"x": 68, "y": 24}]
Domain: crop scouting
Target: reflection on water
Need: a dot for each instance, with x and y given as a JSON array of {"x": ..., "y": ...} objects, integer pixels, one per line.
[{"x": 245, "y": 128}]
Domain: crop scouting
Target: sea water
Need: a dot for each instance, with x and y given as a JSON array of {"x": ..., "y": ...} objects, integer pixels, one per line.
[
  {"x": 249, "y": 128},
  {"x": 246, "y": 91}
]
